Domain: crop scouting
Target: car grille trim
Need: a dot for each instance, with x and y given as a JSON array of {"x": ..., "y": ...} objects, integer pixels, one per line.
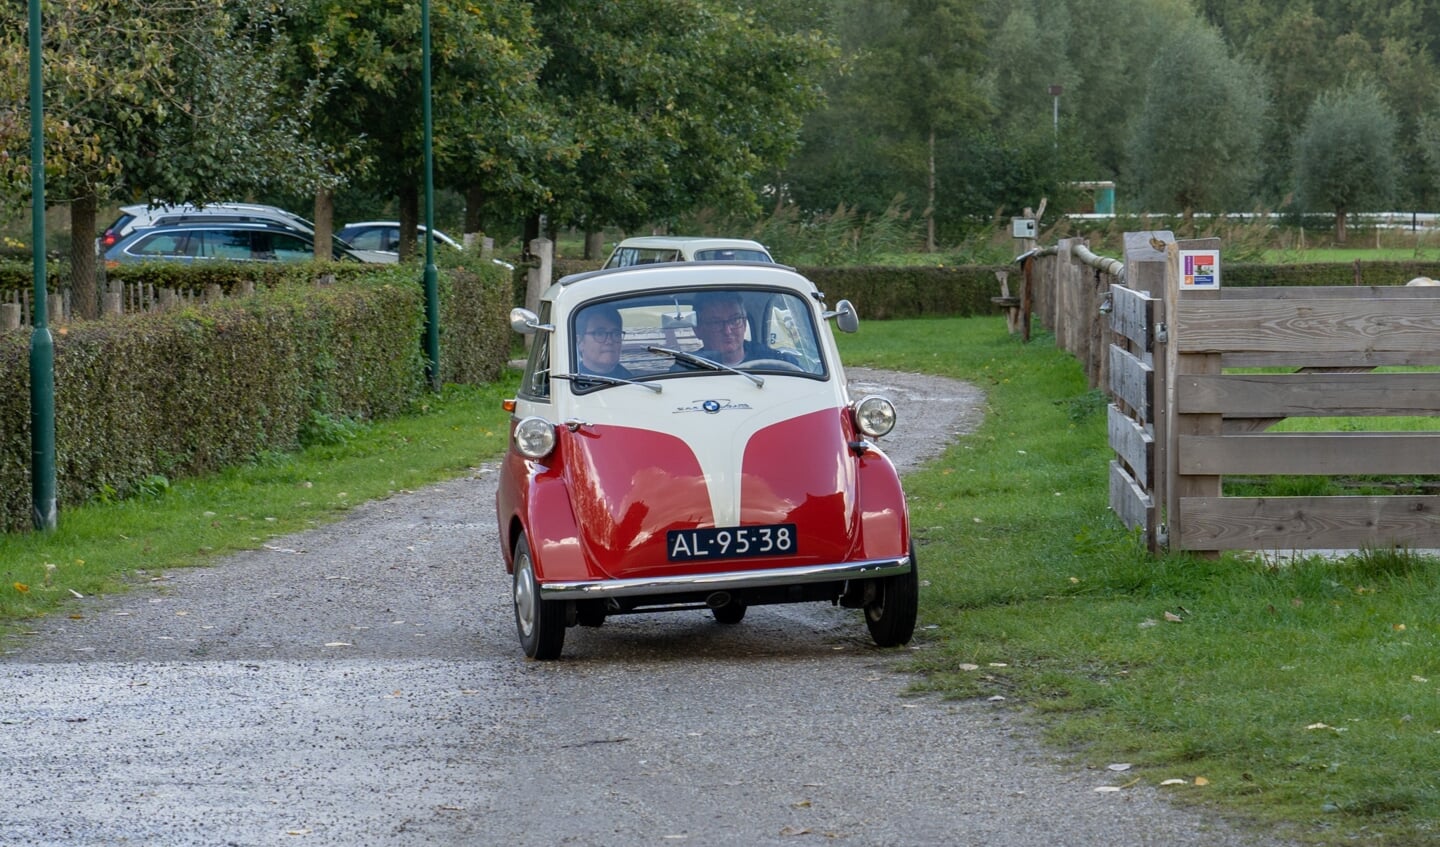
[{"x": 682, "y": 583}]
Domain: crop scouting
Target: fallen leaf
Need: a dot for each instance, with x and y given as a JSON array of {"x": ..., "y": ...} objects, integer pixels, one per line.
[
  {"x": 969, "y": 667},
  {"x": 1172, "y": 617},
  {"x": 1122, "y": 766},
  {"x": 1174, "y": 782},
  {"x": 1200, "y": 780},
  {"x": 338, "y": 644},
  {"x": 21, "y": 587},
  {"x": 791, "y": 830},
  {"x": 1319, "y": 726},
  {"x": 1107, "y": 789},
  {"x": 803, "y": 804}
]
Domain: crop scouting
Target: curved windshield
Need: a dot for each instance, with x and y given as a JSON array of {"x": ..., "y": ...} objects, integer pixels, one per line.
[{"x": 695, "y": 332}]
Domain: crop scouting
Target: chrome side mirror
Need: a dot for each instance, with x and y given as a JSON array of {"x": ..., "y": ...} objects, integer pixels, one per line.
[
  {"x": 846, "y": 319},
  {"x": 527, "y": 322}
]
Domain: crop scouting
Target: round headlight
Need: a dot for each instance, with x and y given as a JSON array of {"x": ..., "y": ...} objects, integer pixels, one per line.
[
  {"x": 874, "y": 416},
  {"x": 534, "y": 437}
]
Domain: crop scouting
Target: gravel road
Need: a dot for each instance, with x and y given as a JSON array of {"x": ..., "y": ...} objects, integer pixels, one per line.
[{"x": 361, "y": 684}]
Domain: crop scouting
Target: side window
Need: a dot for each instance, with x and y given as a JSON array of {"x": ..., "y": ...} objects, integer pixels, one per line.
[
  {"x": 161, "y": 245},
  {"x": 367, "y": 240},
  {"x": 290, "y": 248},
  {"x": 536, "y": 383},
  {"x": 228, "y": 243}
]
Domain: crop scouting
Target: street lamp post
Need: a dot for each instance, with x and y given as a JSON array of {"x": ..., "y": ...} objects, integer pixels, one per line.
[
  {"x": 1056, "y": 91},
  {"x": 432, "y": 283},
  {"x": 42, "y": 344}
]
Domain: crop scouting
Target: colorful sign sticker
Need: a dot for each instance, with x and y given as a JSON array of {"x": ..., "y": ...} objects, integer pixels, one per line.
[{"x": 1199, "y": 269}]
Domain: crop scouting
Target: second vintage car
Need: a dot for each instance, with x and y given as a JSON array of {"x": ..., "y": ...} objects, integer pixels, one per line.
[{"x": 684, "y": 439}]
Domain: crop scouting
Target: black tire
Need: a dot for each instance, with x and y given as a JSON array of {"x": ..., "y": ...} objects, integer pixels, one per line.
[
  {"x": 730, "y": 613},
  {"x": 891, "y": 618},
  {"x": 540, "y": 623}
]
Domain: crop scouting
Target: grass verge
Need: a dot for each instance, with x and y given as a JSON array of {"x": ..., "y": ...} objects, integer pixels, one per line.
[
  {"x": 1303, "y": 697},
  {"x": 98, "y": 546}
]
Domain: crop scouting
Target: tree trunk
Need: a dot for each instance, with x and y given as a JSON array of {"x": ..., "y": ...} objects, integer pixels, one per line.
[
  {"x": 530, "y": 232},
  {"x": 930, "y": 199},
  {"x": 84, "y": 287},
  {"x": 594, "y": 243},
  {"x": 409, "y": 220},
  {"x": 324, "y": 223},
  {"x": 474, "y": 198},
  {"x": 1339, "y": 224}
]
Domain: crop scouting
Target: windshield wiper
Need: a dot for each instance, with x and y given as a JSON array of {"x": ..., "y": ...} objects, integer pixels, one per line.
[
  {"x": 708, "y": 364},
  {"x": 606, "y": 380}
]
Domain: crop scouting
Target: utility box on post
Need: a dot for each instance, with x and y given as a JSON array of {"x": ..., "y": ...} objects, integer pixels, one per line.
[{"x": 1022, "y": 227}]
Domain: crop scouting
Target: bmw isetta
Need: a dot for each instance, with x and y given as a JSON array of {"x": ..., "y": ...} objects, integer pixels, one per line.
[{"x": 684, "y": 438}]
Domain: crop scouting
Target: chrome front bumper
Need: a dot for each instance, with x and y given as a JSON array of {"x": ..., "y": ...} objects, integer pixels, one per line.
[{"x": 725, "y": 581}]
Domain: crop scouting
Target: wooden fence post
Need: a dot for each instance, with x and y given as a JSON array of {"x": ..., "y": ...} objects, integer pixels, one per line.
[{"x": 1180, "y": 365}]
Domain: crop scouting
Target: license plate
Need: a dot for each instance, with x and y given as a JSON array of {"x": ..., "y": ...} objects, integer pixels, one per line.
[{"x": 730, "y": 542}]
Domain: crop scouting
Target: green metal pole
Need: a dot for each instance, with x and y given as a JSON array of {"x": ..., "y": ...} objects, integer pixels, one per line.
[
  {"x": 432, "y": 282},
  {"x": 42, "y": 344}
]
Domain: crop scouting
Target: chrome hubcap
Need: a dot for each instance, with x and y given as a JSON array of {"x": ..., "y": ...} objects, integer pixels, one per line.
[{"x": 524, "y": 596}]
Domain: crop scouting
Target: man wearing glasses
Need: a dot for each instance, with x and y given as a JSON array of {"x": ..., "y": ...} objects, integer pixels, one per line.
[
  {"x": 720, "y": 325},
  {"x": 599, "y": 333}
]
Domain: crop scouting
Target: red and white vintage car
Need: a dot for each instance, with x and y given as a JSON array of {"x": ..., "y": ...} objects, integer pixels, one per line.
[{"x": 684, "y": 438}]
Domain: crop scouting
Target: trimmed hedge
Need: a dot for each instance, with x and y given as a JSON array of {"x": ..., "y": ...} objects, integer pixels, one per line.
[{"x": 198, "y": 389}]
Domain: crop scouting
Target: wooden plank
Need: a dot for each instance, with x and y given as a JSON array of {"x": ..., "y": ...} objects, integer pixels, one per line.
[
  {"x": 1133, "y": 316},
  {"x": 1133, "y": 381},
  {"x": 1314, "y": 326},
  {"x": 1132, "y": 443},
  {"x": 1310, "y": 523},
  {"x": 1311, "y": 453},
  {"x": 1323, "y": 359},
  {"x": 1330, "y": 292},
  {"x": 1134, "y": 508},
  {"x": 1309, "y": 395}
]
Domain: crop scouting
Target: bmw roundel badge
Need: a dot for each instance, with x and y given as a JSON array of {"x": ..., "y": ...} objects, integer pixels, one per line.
[{"x": 711, "y": 406}]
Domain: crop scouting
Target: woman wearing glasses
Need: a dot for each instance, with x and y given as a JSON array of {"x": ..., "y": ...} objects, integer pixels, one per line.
[{"x": 599, "y": 333}]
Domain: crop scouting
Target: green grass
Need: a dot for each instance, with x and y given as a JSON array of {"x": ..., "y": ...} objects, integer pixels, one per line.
[
  {"x": 192, "y": 521},
  {"x": 1305, "y": 694}
]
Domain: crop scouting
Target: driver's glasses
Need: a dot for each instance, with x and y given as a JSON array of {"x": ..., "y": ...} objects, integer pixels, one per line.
[
  {"x": 606, "y": 336},
  {"x": 734, "y": 324}
]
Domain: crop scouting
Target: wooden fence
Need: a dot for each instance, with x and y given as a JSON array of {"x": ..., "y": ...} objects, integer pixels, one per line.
[
  {"x": 1191, "y": 407},
  {"x": 18, "y": 310}
]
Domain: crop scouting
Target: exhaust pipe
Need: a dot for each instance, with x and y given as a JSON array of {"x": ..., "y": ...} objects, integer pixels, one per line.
[{"x": 718, "y": 599}]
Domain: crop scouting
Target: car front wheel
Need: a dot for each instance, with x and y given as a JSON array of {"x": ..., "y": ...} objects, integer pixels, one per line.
[
  {"x": 891, "y": 616},
  {"x": 540, "y": 623}
]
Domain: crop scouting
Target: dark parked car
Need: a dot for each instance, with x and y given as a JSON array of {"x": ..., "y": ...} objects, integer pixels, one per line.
[
  {"x": 234, "y": 241},
  {"x": 141, "y": 216}
]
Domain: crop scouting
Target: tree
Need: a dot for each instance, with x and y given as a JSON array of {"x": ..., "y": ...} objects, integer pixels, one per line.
[
  {"x": 667, "y": 119},
  {"x": 920, "y": 77},
  {"x": 1345, "y": 153},
  {"x": 1195, "y": 143},
  {"x": 172, "y": 99},
  {"x": 484, "y": 62}
]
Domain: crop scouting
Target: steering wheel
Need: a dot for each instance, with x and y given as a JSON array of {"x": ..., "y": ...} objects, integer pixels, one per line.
[{"x": 776, "y": 364}]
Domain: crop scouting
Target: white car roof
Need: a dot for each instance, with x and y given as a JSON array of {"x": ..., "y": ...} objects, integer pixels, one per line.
[
  {"x": 607, "y": 282},
  {"x": 692, "y": 242}
]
